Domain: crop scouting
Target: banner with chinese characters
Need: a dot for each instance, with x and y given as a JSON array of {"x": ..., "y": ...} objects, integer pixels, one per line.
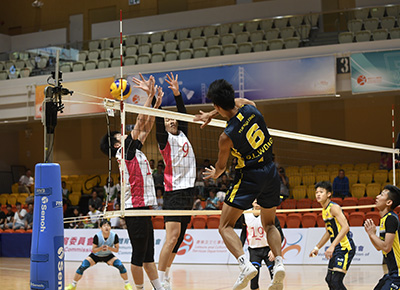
[
  {"x": 207, "y": 247},
  {"x": 375, "y": 71}
]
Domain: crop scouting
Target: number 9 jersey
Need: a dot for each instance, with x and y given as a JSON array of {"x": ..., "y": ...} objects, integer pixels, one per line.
[{"x": 252, "y": 143}]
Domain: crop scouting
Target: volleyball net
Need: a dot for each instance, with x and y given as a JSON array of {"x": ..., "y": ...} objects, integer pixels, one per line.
[{"x": 306, "y": 159}]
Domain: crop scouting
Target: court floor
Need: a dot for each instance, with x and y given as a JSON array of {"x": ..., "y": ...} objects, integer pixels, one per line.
[{"x": 14, "y": 275}]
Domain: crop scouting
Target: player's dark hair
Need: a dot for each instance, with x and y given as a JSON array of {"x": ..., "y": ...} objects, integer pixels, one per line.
[
  {"x": 394, "y": 195},
  {"x": 324, "y": 184},
  {"x": 105, "y": 222},
  {"x": 104, "y": 143},
  {"x": 222, "y": 94}
]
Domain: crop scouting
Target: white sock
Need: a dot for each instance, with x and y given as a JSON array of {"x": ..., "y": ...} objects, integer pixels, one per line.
[
  {"x": 243, "y": 260},
  {"x": 156, "y": 284},
  {"x": 161, "y": 275},
  {"x": 140, "y": 287},
  {"x": 74, "y": 283},
  {"x": 167, "y": 273},
  {"x": 279, "y": 259}
]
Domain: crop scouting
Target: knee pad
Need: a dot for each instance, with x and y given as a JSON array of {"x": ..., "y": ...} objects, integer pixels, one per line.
[
  {"x": 117, "y": 264},
  {"x": 337, "y": 280},
  {"x": 254, "y": 281},
  {"x": 328, "y": 278},
  {"x": 85, "y": 264}
]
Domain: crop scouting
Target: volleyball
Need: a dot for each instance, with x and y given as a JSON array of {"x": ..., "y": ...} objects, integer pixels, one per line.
[{"x": 116, "y": 88}]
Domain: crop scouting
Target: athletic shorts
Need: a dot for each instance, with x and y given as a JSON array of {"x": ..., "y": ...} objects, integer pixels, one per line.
[
  {"x": 141, "y": 235},
  {"x": 181, "y": 199},
  {"x": 341, "y": 259},
  {"x": 97, "y": 259},
  {"x": 249, "y": 184},
  {"x": 388, "y": 283}
]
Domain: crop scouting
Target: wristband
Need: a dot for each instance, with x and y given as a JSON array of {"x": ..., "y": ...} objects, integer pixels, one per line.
[{"x": 316, "y": 248}]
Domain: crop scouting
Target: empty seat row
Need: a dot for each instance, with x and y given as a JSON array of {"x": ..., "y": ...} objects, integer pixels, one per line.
[
  {"x": 377, "y": 12},
  {"x": 367, "y": 35},
  {"x": 312, "y": 219},
  {"x": 332, "y": 167}
]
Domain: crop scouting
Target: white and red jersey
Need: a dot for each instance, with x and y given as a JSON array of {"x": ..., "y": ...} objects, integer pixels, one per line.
[
  {"x": 180, "y": 163},
  {"x": 139, "y": 184},
  {"x": 256, "y": 237}
]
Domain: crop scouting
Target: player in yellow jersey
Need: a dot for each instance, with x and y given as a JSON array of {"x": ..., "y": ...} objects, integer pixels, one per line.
[
  {"x": 342, "y": 249},
  {"x": 388, "y": 241}
]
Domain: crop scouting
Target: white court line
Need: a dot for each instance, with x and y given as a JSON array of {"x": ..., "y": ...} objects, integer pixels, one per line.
[{"x": 15, "y": 269}]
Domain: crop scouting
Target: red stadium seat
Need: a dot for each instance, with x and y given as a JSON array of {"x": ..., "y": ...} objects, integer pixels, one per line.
[
  {"x": 349, "y": 201},
  {"x": 293, "y": 220},
  {"x": 282, "y": 219},
  {"x": 21, "y": 231},
  {"x": 304, "y": 203},
  {"x": 309, "y": 220},
  {"x": 158, "y": 222},
  {"x": 213, "y": 221},
  {"x": 366, "y": 201},
  {"x": 289, "y": 203},
  {"x": 315, "y": 204},
  {"x": 356, "y": 219},
  {"x": 190, "y": 225},
  {"x": 320, "y": 221},
  {"x": 337, "y": 200},
  {"x": 199, "y": 221},
  {"x": 374, "y": 215}
]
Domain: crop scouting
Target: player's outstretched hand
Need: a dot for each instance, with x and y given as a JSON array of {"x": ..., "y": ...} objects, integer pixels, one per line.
[
  {"x": 159, "y": 95},
  {"x": 173, "y": 83},
  {"x": 209, "y": 172},
  {"x": 203, "y": 117},
  {"x": 142, "y": 84}
]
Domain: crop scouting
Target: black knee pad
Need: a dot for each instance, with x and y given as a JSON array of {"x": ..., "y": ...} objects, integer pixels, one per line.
[
  {"x": 337, "y": 280},
  {"x": 254, "y": 281}
]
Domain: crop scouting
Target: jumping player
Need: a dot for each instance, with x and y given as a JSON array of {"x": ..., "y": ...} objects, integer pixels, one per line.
[
  {"x": 388, "y": 242},
  {"x": 342, "y": 249},
  {"x": 139, "y": 190},
  {"x": 247, "y": 136},
  {"x": 179, "y": 178},
  {"x": 104, "y": 243}
]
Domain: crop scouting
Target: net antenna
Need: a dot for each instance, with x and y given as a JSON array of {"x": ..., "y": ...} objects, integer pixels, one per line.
[
  {"x": 122, "y": 108},
  {"x": 52, "y": 104}
]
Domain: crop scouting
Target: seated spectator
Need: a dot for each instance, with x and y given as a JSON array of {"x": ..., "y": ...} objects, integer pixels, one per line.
[
  {"x": 2, "y": 217},
  {"x": 115, "y": 221},
  {"x": 231, "y": 170},
  {"x": 197, "y": 204},
  {"x": 28, "y": 220},
  {"x": 94, "y": 217},
  {"x": 386, "y": 161},
  {"x": 95, "y": 201},
  {"x": 25, "y": 182},
  {"x": 158, "y": 176},
  {"x": 65, "y": 192},
  {"x": 152, "y": 165},
  {"x": 213, "y": 201},
  {"x": 284, "y": 183},
  {"x": 76, "y": 222},
  {"x": 114, "y": 189},
  {"x": 199, "y": 183},
  {"x": 340, "y": 185},
  {"x": 8, "y": 222},
  {"x": 117, "y": 200},
  {"x": 160, "y": 200},
  {"x": 19, "y": 217},
  {"x": 223, "y": 179},
  {"x": 222, "y": 192}
]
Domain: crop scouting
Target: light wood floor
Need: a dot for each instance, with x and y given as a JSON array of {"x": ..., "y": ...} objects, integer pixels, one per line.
[{"x": 14, "y": 275}]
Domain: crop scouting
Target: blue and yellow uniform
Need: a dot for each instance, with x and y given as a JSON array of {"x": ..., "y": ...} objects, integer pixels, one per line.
[
  {"x": 389, "y": 223},
  {"x": 345, "y": 250},
  {"x": 256, "y": 175}
]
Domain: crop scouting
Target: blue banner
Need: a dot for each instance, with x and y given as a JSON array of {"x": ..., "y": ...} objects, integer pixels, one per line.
[
  {"x": 255, "y": 81},
  {"x": 375, "y": 71}
]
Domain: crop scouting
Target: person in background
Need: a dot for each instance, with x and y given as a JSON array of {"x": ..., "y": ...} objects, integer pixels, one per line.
[
  {"x": 25, "y": 182},
  {"x": 284, "y": 183},
  {"x": 95, "y": 201},
  {"x": 160, "y": 200},
  {"x": 114, "y": 189},
  {"x": 65, "y": 192},
  {"x": 2, "y": 217},
  {"x": 341, "y": 185},
  {"x": 115, "y": 222},
  {"x": 386, "y": 161},
  {"x": 158, "y": 176},
  {"x": 212, "y": 201},
  {"x": 18, "y": 217},
  {"x": 197, "y": 203},
  {"x": 152, "y": 165},
  {"x": 8, "y": 221},
  {"x": 222, "y": 192},
  {"x": 94, "y": 217},
  {"x": 28, "y": 220}
]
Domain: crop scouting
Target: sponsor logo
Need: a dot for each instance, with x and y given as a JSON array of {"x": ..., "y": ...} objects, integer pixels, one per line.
[
  {"x": 186, "y": 245},
  {"x": 292, "y": 246},
  {"x": 60, "y": 268},
  {"x": 362, "y": 80},
  {"x": 57, "y": 203},
  {"x": 37, "y": 286},
  {"x": 43, "y": 209}
]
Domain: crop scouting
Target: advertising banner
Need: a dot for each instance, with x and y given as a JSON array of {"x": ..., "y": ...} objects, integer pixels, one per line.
[
  {"x": 375, "y": 71},
  {"x": 207, "y": 247}
]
